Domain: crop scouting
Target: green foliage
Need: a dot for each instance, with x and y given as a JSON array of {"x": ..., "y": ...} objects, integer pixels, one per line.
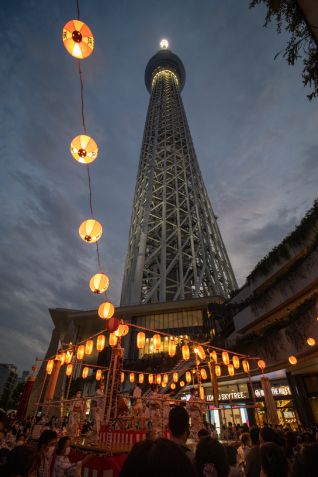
[{"x": 301, "y": 43}]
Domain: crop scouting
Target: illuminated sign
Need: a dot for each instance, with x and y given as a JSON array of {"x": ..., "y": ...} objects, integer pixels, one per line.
[{"x": 276, "y": 391}]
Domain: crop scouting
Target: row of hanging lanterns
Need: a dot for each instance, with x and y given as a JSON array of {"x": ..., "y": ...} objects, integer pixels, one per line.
[{"x": 79, "y": 42}]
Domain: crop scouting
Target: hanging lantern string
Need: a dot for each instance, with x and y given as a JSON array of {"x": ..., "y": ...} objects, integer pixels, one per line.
[
  {"x": 80, "y": 74},
  {"x": 197, "y": 343}
]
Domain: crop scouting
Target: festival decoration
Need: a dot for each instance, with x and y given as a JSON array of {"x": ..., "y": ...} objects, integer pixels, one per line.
[
  {"x": 214, "y": 356},
  {"x": 100, "y": 343},
  {"x": 78, "y": 39},
  {"x": 84, "y": 149},
  {"x": 99, "y": 283},
  {"x": 80, "y": 352},
  {"x": 311, "y": 341},
  {"x": 218, "y": 371},
  {"x": 203, "y": 374},
  {"x": 225, "y": 358},
  {"x": 292, "y": 359},
  {"x": 49, "y": 366},
  {"x": 188, "y": 377},
  {"x": 141, "y": 339},
  {"x": 156, "y": 341},
  {"x": 106, "y": 310},
  {"x": 172, "y": 386},
  {"x": 112, "y": 339},
  {"x": 150, "y": 378},
  {"x": 175, "y": 377},
  {"x": 261, "y": 364},
  {"x": 120, "y": 330},
  {"x": 132, "y": 377},
  {"x": 61, "y": 358},
  {"x": 69, "y": 370},
  {"x": 158, "y": 379},
  {"x": 185, "y": 352},
  {"x": 112, "y": 324},
  {"x": 141, "y": 378},
  {"x": 89, "y": 346},
  {"x": 85, "y": 372},
  {"x": 172, "y": 347},
  {"x": 68, "y": 356},
  {"x": 236, "y": 362},
  {"x": 231, "y": 369},
  {"x": 181, "y": 384},
  {"x": 246, "y": 366},
  {"x": 201, "y": 352},
  {"x": 125, "y": 329},
  {"x": 122, "y": 377},
  {"x": 90, "y": 230},
  {"x": 98, "y": 375}
]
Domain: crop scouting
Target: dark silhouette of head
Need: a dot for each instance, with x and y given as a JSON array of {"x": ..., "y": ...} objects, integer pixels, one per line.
[
  {"x": 273, "y": 460},
  {"x": 179, "y": 422},
  {"x": 21, "y": 461},
  {"x": 306, "y": 462},
  {"x": 254, "y": 435},
  {"x": 211, "y": 451},
  {"x": 156, "y": 459}
]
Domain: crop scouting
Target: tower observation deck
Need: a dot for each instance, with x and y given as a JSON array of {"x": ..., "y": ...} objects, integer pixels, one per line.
[{"x": 175, "y": 249}]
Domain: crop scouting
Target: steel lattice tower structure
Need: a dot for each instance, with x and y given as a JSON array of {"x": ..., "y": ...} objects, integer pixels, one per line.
[{"x": 175, "y": 248}]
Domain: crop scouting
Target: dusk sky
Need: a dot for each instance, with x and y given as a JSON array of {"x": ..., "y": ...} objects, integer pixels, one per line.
[{"x": 254, "y": 131}]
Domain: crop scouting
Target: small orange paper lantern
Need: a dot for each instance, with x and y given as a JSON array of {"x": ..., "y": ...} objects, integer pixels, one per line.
[
  {"x": 150, "y": 378},
  {"x": 89, "y": 346},
  {"x": 203, "y": 374},
  {"x": 132, "y": 377},
  {"x": 236, "y": 362},
  {"x": 106, "y": 310},
  {"x": 261, "y": 364},
  {"x": 202, "y": 393},
  {"x": 214, "y": 356},
  {"x": 292, "y": 359},
  {"x": 141, "y": 378},
  {"x": 100, "y": 343},
  {"x": 122, "y": 377},
  {"x": 246, "y": 366},
  {"x": 125, "y": 329},
  {"x": 68, "y": 356},
  {"x": 201, "y": 352},
  {"x": 185, "y": 352},
  {"x": 225, "y": 358},
  {"x": 69, "y": 369},
  {"x": 90, "y": 230},
  {"x": 181, "y": 384},
  {"x": 120, "y": 330},
  {"x": 158, "y": 379},
  {"x": 84, "y": 149},
  {"x": 61, "y": 358},
  {"x": 218, "y": 371},
  {"x": 231, "y": 370},
  {"x": 141, "y": 339},
  {"x": 163, "y": 384},
  {"x": 49, "y": 366},
  {"x": 172, "y": 386},
  {"x": 98, "y": 375},
  {"x": 172, "y": 348},
  {"x": 85, "y": 372},
  {"x": 99, "y": 283},
  {"x": 80, "y": 352},
  {"x": 311, "y": 341},
  {"x": 78, "y": 39},
  {"x": 175, "y": 377},
  {"x": 156, "y": 342},
  {"x": 165, "y": 378},
  {"x": 112, "y": 339},
  {"x": 188, "y": 377}
]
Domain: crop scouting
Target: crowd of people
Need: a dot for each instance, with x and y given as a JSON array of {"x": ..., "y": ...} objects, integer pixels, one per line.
[{"x": 238, "y": 452}]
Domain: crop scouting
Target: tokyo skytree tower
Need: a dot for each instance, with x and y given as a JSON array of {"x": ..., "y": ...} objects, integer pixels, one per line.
[{"x": 175, "y": 249}]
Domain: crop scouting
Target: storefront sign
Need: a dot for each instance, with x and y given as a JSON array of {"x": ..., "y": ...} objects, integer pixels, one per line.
[
  {"x": 276, "y": 391},
  {"x": 228, "y": 396}
]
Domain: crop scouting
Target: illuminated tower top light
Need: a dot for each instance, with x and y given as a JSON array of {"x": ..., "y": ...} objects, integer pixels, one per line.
[{"x": 164, "y": 44}]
